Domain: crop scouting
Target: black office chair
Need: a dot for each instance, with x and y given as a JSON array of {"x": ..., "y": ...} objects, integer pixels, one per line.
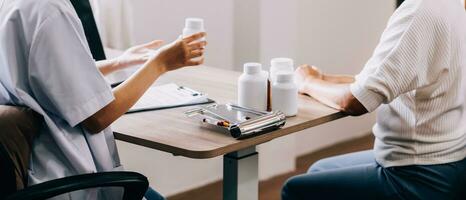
[
  {"x": 134, "y": 185},
  {"x": 16, "y": 134}
]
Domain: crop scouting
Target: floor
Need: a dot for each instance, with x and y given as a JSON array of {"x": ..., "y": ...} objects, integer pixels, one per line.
[{"x": 270, "y": 189}]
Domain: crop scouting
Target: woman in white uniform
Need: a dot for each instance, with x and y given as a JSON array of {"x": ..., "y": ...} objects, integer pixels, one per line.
[
  {"x": 416, "y": 79},
  {"x": 46, "y": 65}
]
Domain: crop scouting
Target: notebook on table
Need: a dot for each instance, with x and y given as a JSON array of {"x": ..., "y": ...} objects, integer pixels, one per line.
[{"x": 169, "y": 96}]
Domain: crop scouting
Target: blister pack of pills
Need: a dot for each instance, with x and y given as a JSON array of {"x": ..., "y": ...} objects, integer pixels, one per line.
[{"x": 239, "y": 122}]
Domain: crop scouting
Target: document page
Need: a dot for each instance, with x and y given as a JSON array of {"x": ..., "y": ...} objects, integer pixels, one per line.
[{"x": 168, "y": 95}]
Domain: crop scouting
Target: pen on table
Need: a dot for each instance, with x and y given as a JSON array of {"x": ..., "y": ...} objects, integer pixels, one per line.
[{"x": 193, "y": 92}]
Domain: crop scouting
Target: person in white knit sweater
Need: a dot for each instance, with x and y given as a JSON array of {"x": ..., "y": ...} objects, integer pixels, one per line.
[{"x": 416, "y": 80}]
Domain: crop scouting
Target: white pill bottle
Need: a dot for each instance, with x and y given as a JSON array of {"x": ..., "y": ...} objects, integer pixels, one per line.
[
  {"x": 280, "y": 65},
  {"x": 285, "y": 94},
  {"x": 192, "y": 26},
  {"x": 252, "y": 87}
]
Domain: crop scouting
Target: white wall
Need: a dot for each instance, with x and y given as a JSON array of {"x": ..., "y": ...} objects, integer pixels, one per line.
[
  {"x": 336, "y": 35},
  {"x": 247, "y": 38},
  {"x": 343, "y": 42},
  {"x": 164, "y": 19}
]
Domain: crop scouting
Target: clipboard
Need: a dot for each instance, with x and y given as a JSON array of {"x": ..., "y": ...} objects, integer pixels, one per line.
[{"x": 169, "y": 96}]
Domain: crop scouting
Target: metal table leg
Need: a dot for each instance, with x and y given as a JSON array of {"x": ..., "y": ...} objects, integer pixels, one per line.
[{"x": 241, "y": 175}]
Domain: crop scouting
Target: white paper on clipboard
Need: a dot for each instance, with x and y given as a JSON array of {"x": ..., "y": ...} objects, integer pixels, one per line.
[{"x": 167, "y": 96}]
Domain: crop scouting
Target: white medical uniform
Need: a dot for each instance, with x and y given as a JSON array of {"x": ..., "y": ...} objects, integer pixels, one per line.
[
  {"x": 46, "y": 64},
  {"x": 4, "y": 97}
]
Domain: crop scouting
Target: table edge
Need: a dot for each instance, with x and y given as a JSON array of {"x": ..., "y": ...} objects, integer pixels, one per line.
[{"x": 257, "y": 140}]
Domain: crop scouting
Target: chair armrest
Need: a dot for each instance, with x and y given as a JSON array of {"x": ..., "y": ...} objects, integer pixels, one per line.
[{"x": 134, "y": 184}]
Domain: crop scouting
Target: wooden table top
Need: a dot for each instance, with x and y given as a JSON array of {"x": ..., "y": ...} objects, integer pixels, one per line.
[{"x": 171, "y": 131}]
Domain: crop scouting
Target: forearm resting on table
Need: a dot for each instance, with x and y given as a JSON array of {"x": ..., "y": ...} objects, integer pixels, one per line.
[
  {"x": 335, "y": 95},
  {"x": 336, "y": 78},
  {"x": 126, "y": 95}
]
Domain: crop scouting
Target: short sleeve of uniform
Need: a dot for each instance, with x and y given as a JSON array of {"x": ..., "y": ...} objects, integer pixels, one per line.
[
  {"x": 404, "y": 60},
  {"x": 62, "y": 74}
]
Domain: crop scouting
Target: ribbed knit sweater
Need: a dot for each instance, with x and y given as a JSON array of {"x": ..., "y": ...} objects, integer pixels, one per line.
[{"x": 416, "y": 79}]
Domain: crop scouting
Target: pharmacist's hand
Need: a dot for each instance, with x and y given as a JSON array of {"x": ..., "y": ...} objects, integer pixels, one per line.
[
  {"x": 304, "y": 73},
  {"x": 182, "y": 53},
  {"x": 137, "y": 55}
]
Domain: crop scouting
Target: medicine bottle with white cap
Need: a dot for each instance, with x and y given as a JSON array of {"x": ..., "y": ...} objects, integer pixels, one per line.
[
  {"x": 252, "y": 87},
  {"x": 280, "y": 65},
  {"x": 285, "y": 94},
  {"x": 192, "y": 26}
]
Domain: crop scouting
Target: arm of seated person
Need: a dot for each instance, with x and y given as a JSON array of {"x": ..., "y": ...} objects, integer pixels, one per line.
[
  {"x": 170, "y": 57},
  {"x": 333, "y": 91},
  {"x": 133, "y": 56},
  {"x": 338, "y": 78}
]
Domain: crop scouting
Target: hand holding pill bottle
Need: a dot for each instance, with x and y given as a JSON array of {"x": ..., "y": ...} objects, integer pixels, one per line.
[{"x": 193, "y": 26}]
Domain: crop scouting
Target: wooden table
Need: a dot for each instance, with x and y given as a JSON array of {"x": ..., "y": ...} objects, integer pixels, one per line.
[{"x": 171, "y": 131}]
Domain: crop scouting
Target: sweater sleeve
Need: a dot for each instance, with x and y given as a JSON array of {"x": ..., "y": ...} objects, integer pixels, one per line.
[{"x": 405, "y": 59}]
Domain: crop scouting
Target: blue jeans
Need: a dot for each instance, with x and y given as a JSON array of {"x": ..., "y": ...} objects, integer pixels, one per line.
[
  {"x": 151, "y": 194},
  {"x": 359, "y": 176}
]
